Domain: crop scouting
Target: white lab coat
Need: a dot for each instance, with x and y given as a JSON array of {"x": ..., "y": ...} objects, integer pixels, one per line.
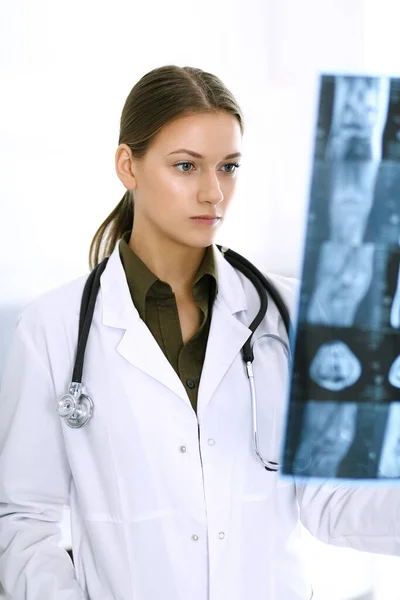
[{"x": 164, "y": 503}]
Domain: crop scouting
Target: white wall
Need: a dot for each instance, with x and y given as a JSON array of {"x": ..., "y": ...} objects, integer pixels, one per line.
[{"x": 65, "y": 71}]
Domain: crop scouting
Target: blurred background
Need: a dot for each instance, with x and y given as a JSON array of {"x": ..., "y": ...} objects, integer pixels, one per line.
[{"x": 66, "y": 69}]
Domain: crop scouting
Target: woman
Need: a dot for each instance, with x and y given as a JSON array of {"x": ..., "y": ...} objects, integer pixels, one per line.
[{"x": 168, "y": 499}]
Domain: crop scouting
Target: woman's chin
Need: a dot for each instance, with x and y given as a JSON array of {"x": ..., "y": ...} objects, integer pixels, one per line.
[{"x": 198, "y": 240}]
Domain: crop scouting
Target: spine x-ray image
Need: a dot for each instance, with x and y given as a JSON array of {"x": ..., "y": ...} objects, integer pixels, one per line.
[{"x": 344, "y": 404}]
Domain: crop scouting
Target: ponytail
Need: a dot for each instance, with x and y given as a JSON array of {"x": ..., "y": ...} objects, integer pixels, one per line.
[{"x": 109, "y": 232}]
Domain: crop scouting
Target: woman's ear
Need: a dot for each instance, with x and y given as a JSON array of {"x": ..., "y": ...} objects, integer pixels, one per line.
[{"x": 124, "y": 166}]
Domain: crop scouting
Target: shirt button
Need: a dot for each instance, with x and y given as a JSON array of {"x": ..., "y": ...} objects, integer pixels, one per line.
[
  {"x": 195, "y": 537},
  {"x": 182, "y": 449},
  {"x": 211, "y": 442},
  {"x": 221, "y": 535},
  {"x": 190, "y": 383}
]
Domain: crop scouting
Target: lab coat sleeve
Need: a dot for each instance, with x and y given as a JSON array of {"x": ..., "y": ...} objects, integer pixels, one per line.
[
  {"x": 34, "y": 480},
  {"x": 363, "y": 518}
]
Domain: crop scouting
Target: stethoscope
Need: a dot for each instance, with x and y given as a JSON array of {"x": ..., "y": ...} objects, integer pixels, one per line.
[{"x": 76, "y": 408}]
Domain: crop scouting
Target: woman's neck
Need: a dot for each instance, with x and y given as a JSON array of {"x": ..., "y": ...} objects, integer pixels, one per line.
[{"x": 170, "y": 261}]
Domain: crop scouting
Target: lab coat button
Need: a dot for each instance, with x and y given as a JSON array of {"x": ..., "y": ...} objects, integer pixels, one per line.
[
  {"x": 211, "y": 442},
  {"x": 182, "y": 449},
  {"x": 190, "y": 383},
  {"x": 195, "y": 538},
  {"x": 221, "y": 535}
]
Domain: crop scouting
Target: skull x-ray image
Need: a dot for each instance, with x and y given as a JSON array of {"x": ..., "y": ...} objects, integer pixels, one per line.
[{"x": 343, "y": 413}]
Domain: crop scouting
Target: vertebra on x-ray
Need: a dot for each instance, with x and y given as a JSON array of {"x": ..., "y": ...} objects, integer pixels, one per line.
[
  {"x": 351, "y": 195},
  {"x": 344, "y": 274},
  {"x": 335, "y": 367},
  {"x": 394, "y": 373},
  {"x": 360, "y": 107}
]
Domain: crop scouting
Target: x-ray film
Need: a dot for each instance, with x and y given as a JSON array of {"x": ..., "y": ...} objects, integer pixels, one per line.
[{"x": 343, "y": 418}]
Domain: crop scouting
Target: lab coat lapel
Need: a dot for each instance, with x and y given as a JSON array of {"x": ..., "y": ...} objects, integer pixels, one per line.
[
  {"x": 137, "y": 345},
  {"x": 227, "y": 333}
]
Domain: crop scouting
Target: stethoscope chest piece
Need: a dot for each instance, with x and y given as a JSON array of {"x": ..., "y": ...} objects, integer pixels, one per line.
[{"x": 75, "y": 408}]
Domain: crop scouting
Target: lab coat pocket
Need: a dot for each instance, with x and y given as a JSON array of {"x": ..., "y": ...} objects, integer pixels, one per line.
[{"x": 93, "y": 473}]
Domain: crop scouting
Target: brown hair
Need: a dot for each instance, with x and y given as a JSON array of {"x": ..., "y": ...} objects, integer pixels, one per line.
[{"x": 160, "y": 96}]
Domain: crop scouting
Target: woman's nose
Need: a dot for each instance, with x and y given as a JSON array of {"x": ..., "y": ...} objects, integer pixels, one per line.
[{"x": 210, "y": 190}]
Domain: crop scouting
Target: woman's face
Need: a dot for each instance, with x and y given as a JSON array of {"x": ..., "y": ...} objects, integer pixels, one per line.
[{"x": 188, "y": 171}]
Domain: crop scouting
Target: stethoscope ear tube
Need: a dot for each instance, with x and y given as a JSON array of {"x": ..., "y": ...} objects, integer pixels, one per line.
[
  {"x": 268, "y": 464},
  {"x": 263, "y": 287},
  {"x": 246, "y": 267},
  {"x": 86, "y": 316}
]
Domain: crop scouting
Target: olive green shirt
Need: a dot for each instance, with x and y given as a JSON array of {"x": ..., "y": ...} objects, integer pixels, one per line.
[{"x": 156, "y": 304}]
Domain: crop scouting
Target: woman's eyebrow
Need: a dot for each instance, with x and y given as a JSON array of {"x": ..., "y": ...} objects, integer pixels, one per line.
[{"x": 197, "y": 155}]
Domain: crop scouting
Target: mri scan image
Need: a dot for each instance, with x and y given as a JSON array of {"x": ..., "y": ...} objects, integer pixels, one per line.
[
  {"x": 335, "y": 367},
  {"x": 389, "y": 464},
  {"x": 326, "y": 435},
  {"x": 351, "y": 195},
  {"x": 394, "y": 373},
  {"x": 395, "y": 308},
  {"x": 360, "y": 106},
  {"x": 343, "y": 414},
  {"x": 344, "y": 274}
]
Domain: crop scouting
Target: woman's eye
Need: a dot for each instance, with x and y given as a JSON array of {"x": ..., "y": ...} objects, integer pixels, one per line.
[
  {"x": 184, "y": 163},
  {"x": 236, "y": 165}
]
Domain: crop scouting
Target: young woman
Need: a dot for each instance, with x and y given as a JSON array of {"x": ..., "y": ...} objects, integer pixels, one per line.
[{"x": 168, "y": 497}]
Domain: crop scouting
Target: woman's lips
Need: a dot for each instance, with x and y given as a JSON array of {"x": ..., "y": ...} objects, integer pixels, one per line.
[{"x": 206, "y": 220}]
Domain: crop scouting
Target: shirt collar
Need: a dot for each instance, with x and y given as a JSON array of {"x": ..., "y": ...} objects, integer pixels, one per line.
[
  {"x": 140, "y": 279},
  {"x": 138, "y": 275},
  {"x": 207, "y": 266}
]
